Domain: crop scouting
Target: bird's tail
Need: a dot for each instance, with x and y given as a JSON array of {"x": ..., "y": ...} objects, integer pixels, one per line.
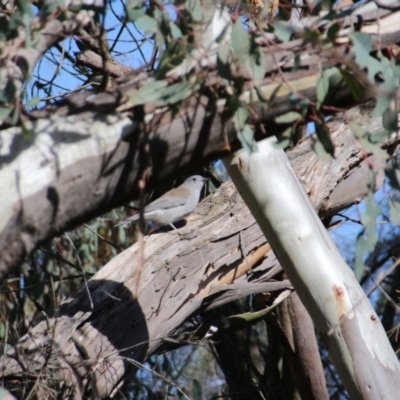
[{"x": 134, "y": 217}]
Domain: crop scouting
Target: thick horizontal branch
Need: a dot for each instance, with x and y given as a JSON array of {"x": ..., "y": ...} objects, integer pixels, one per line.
[{"x": 72, "y": 169}]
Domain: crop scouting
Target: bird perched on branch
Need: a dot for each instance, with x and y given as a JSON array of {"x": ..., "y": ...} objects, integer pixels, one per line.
[{"x": 174, "y": 205}]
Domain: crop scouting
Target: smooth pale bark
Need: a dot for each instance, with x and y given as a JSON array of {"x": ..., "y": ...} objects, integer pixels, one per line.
[{"x": 326, "y": 285}]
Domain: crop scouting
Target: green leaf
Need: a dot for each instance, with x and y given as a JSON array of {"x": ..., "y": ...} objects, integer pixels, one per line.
[
  {"x": 49, "y": 7},
  {"x": 282, "y": 31},
  {"x": 25, "y": 132},
  {"x": 389, "y": 120},
  {"x": 246, "y": 137},
  {"x": 173, "y": 55},
  {"x": 333, "y": 31},
  {"x": 382, "y": 105},
  {"x": 14, "y": 116},
  {"x": 159, "y": 93},
  {"x": 197, "y": 393},
  {"x": 367, "y": 240},
  {"x": 329, "y": 79},
  {"x": 362, "y": 47},
  {"x": 239, "y": 321},
  {"x": 25, "y": 6},
  {"x": 240, "y": 117},
  {"x": 175, "y": 31},
  {"x": 196, "y": 10},
  {"x": 147, "y": 24},
  {"x": 274, "y": 94},
  {"x": 257, "y": 66},
  {"x": 4, "y": 113},
  {"x": 288, "y": 118},
  {"x": 33, "y": 102},
  {"x": 7, "y": 95},
  {"x": 352, "y": 83},
  {"x": 285, "y": 139},
  {"x": 311, "y": 36},
  {"x": 324, "y": 137},
  {"x": 240, "y": 42},
  {"x": 322, "y": 89},
  {"x": 148, "y": 93},
  {"x": 367, "y": 141},
  {"x": 177, "y": 92},
  {"x": 224, "y": 60},
  {"x": 379, "y": 136},
  {"x": 133, "y": 14}
]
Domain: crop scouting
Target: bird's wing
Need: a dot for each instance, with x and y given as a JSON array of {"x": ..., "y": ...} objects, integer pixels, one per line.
[{"x": 174, "y": 198}]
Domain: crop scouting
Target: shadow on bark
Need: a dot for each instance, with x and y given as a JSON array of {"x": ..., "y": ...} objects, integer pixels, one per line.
[{"x": 88, "y": 354}]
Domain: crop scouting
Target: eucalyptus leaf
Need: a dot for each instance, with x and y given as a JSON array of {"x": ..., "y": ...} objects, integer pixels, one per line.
[
  {"x": 258, "y": 66},
  {"x": 282, "y": 31},
  {"x": 368, "y": 238},
  {"x": 382, "y": 104},
  {"x": 367, "y": 141},
  {"x": 274, "y": 94},
  {"x": 197, "y": 393},
  {"x": 379, "y": 136},
  {"x": 333, "y": 31},
  {"x": 240, "y": 42},
  {"x": 33, "y": 102},
  {"x": 25, "y": 6},
  {"x": 322, "y": 89},
  {"x": 4, "y": 113},
  {"x": 176, "y": 92},
  {"x": 288, "y": 118},
  {"x": 240, "y": 117},
  {"x": 175, "y": 31},
  {"x": 362, "y": 44},
  {"x": 324, "y": 136},
  {"x": 7, "y": 95},
  {"x": 244, "y": 132},
  {"x": 246, "y": 137},
  {"x": 352, "y": 83},
  {"x": 147, "y": 24},
  {"x": 389, "y": 120},
  {"x": 284, "y": 139},
  {"x": 148, "y": 93}
]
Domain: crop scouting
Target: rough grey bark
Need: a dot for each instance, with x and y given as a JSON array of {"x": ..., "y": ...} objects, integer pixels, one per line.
[{"x": 311, "y": 379}]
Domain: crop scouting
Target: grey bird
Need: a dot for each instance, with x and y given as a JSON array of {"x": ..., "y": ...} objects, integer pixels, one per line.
[{"x": 174, "y": 205}]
